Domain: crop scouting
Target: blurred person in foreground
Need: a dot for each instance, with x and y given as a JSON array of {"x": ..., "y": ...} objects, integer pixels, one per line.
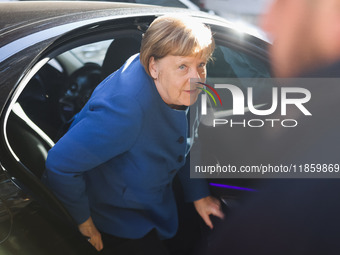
[
  {"x": 296, "y": 216},
  {"x": 306, "y": 36},
  {"x": 114, "y": 168}
]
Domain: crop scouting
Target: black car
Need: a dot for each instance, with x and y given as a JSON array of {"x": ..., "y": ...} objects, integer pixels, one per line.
[{"x": 52, "y": 56}]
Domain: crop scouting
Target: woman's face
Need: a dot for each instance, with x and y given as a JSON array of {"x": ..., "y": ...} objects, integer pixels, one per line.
[{"x": 172, "y": 76}]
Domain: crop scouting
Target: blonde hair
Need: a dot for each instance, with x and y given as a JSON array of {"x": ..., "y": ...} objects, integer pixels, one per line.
[{"x": 177, "y": 36}]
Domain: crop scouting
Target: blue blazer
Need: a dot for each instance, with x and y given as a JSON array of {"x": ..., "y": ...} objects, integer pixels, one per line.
[{"x": 117, "y": 161}]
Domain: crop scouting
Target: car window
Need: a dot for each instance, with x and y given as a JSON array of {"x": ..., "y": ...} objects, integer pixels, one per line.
[
  {"x": 231, "y": 66},
  {"x": 93, "y": 52}
]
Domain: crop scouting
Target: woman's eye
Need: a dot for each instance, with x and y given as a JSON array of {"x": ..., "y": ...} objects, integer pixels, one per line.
[
  {"x": 202, "y": 65},
  {"x": 182, "y": 67}
]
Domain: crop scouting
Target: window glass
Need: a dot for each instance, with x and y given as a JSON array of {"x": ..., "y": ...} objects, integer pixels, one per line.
[
  {"x": 94, "y": 52},
  {"x": 230, "y": 66}
]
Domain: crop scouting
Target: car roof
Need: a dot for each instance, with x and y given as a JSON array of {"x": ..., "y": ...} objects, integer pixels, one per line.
[{"x": 16, "y": 14}]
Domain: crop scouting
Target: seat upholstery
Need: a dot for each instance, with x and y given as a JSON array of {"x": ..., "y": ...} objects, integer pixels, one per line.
[{"x": 118, "y": 52}]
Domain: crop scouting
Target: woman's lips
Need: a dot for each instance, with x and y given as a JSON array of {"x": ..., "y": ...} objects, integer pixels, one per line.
[{"x": 190, "y": 91}]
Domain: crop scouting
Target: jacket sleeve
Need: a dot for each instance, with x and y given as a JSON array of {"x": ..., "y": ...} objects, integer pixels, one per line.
[
  {"x": 194, "y": 188},
  {"x": 105, "y": 129}
]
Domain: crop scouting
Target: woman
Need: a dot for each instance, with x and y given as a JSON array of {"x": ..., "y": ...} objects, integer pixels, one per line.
[{"x": 113, "y": 169}]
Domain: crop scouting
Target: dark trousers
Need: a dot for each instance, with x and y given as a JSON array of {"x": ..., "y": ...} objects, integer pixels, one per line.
[{"x": 150, "y": 244}]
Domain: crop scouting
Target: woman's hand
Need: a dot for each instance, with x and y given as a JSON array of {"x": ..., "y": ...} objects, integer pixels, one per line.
[
  {"x": 89, "y": 230},
  {"x": 206, "y": 206}
]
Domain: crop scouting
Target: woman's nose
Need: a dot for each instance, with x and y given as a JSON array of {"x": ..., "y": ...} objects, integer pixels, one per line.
[{"x": 195, "y": 74}]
